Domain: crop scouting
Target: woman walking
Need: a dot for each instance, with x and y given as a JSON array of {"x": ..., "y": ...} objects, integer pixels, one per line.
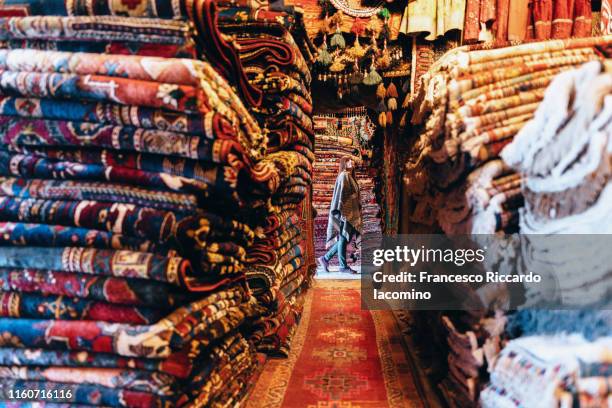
[{"x": 344, "y": 221}]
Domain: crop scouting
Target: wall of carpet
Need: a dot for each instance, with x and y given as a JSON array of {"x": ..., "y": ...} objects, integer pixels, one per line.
[
  {"x": 147, "y": 170},
  {"x": 275, "y": 53},
  {"x": 492, "y": 154},
  {"x": 338, "y": 135}
]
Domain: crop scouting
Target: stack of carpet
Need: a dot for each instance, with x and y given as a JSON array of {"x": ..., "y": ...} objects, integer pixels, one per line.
[
  {"x": 337, "y": 136},
  {"x": 123, "y": 171},
  {"x": 273, "y": 49},
  {"x": 565, "y": 154},
  {"x": 470, "y": 105}
]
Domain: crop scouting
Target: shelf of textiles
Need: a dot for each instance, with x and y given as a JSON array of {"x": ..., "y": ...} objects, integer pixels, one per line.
[
  {"x": 500, "y": 21},
  {"x": 280, "y": 262},
  {"x": 129, "y": 180},
  {"x": 541, "y": 131},
  {"x": 337, "y": 136}
]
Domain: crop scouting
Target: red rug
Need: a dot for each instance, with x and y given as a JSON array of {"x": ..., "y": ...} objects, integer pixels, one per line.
[{"x": 342, "y": 357}]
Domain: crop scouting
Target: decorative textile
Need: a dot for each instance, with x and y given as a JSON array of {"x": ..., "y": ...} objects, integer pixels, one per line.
[
  {"x": 127, "y": 161},
  {"x": 544, "y": 371},
  {"x": 115, "y": 290},
  {"x": 92, "y": 29},
  {"x": 354, "y": 357},
  {"x": 519, "y": 19},
  {"x": 433, "y": 18},
  {"x": 473, "y": 112},
  {"x": 213, "y": 316}
]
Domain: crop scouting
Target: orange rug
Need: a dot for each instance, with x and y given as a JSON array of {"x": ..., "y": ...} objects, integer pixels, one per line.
[{"x": 341, "y": 357}]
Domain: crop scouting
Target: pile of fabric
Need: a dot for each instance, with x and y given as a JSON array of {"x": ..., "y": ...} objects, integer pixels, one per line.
[
  {"x": 129, "y": 173},
  {"x": 337, "y": 136},
  {"x": 274, "y": 51},
  {"x": 567, "y": 191},
  {"x": 551, "y": 180},
  {"x": 564, "y": 370},
  {"x": 470, "y": 105}
]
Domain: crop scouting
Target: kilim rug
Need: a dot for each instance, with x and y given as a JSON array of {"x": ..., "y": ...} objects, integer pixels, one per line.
[{"x": 341, "y": 357}]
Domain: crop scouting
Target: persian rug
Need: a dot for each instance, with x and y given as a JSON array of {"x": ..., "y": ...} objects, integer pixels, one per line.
[{"x": 342, "y": 356}]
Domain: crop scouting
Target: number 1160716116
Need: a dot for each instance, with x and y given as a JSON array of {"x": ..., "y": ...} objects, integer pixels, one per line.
[{"x": 38, "y": 395}]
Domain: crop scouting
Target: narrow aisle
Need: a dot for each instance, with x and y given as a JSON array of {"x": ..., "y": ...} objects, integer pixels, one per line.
[{"x": 342, "y": 356}]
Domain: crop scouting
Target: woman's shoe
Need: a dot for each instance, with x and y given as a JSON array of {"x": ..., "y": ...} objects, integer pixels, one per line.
[{"x": 323, "y": 263}]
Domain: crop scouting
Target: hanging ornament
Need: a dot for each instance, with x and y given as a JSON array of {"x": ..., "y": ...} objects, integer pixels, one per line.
[
  {"x": 345, "y": 7},
  {"x": 324, "y": 58},
  {"x": 359, "y": 27},
  {"x": 389, "y": 117},
  {"x": 382, "y": 113},
  {"x": 381, "y": 91},
  {"x": 384, "y": 13},
  {"x": 392, "y": 91},
  {"x": 372, "y": 78},
  {"x": 392, "y": 95},
  {"x": 357, "y": 51},
  {"x": 385, "y": 59},
  {"x": 406, "y": 103},
  {"x": 403, "y": 120},
  {"x": 374, "y": 26},
  {"x": 325, "y": 25},
  {"x": 382, "y": 119},
  {"x": 337, "y": 66},
  {"x": 337, "y": 39},
  {"x": 406, "y": 86}
]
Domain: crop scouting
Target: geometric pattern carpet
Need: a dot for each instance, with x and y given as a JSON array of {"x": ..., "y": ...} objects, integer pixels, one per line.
[{"x": 341, "y": 357}]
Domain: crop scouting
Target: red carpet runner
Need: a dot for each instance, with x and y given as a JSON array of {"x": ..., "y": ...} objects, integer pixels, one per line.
[{"x": 342, "y": 357}]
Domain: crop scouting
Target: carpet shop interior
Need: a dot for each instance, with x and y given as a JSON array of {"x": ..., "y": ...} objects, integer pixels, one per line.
[{"x": 190, "y": 191}]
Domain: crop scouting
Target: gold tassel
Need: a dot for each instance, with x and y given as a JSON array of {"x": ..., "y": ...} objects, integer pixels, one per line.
[
  {"x": 406, "y": 103},
  {"x": 392, "y": 104},
  {"x": 392, "y": 91},
  {"x": 382, "y": 119},
  {"x": 381, "y": 91}
]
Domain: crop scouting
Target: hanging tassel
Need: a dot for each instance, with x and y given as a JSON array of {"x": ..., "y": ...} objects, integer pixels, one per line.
[
  {"x": 324, "y": 58},
  {"x": 389, "y": 118},
  {"x": 403, "y": 120},
  {"x": 359, "y": 26},
  {"x": 392, "y": 104},
  {"x": 406, "y": 103},
  {"x": 372, "y": 78},
  {"x": 385, "y": 59},
  {"x": 382, "y": 119},
  {"x": 357, "y": 51},
  {"x": 392, "y": 91},
  {"x": 337, "y": 66},
  {"x": 381, "y": 91},
  {"x": 406, "y": 86},
  {"x": 337, "y": 39},
  {"x": 384, "y": 13},
  {"x": 381, "y": 107}
]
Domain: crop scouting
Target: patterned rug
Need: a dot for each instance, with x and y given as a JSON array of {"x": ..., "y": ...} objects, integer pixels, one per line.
[{"x": 342, "y": 357}]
